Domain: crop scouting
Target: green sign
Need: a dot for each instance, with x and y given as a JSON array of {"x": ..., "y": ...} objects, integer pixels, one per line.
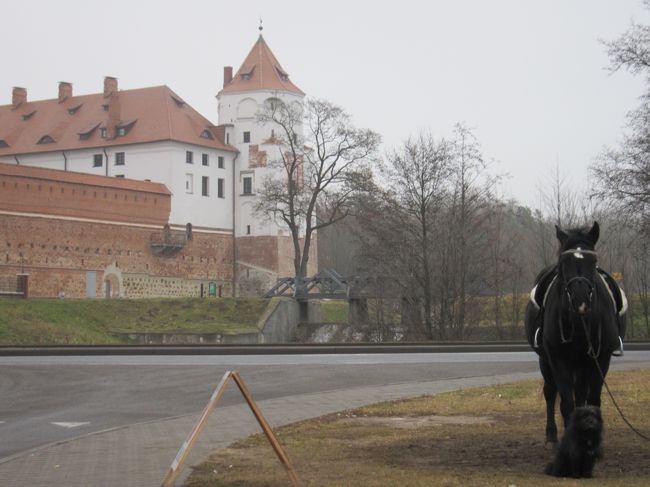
[{"x": 212, "y": 289}]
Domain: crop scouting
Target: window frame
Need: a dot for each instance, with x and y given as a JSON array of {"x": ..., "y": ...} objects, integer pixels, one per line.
[
  {"x": 120, "y": 159},
  {"x": 221, "y": 188},
  {"x": 247, "y": 137},
  {"x": 248, "y": 186},
  {"x": 205, "y": 159},
  {"x": 189, "y": 157},
  {"x": 205, "y": 186},
  {"x": 101, "y": 160}
]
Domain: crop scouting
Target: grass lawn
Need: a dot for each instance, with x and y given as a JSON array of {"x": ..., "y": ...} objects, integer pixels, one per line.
[
  {"x": 482, "y": 437},
  {"x": 90, "y": 322}
]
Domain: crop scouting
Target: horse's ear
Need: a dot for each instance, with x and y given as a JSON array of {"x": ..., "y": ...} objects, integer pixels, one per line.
[
  {"x": 594, "y": 233},
  {"x": 561, "y": 235}
]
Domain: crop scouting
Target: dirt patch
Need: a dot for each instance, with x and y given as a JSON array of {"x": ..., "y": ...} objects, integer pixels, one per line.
[
  {"x": 418, "y": 422},
  {"x": 480, "y": 437}
]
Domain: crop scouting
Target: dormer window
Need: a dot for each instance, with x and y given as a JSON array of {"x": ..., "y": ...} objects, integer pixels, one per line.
[
  {"x": 124, "y": 128},
  {"x": 73, "y": 110},
  {"x": 206, "y": 134},
  {"x": 29, "y": 115},
  {"x": 86, "y": 134},
  {"x": 102, "y": 132},
  {"x": 247, "y": 76},
  {"x": 3, "y": 144},
  {"x": 105, "y": 107},
  {"x": 283, "y": 76},
  {"x": 46, "y": 139},
  {"x": 178, "y": 101}
]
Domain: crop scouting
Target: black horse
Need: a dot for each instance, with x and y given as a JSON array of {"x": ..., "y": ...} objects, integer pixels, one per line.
[{"x": 579, "y": 325}]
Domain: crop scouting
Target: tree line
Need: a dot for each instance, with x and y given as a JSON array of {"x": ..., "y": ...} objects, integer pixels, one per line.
[{"x": 427, "y": 221}]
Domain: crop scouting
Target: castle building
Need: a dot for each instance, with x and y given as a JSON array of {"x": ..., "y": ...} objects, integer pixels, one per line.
[{"x": 133, "y": 193}]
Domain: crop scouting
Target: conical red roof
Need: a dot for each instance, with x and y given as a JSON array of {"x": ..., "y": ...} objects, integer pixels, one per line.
[{"x": 261, "y": 71}]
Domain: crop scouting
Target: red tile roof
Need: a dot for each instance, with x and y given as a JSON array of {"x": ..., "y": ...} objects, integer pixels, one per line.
[
  {"x": 156, "y": 114},
  {"x": 261, "y": 71},
  {"x": 32, "y": 172}
]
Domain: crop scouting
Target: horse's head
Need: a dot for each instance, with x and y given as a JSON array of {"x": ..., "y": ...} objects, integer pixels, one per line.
[{"x": 577, "y": 266}]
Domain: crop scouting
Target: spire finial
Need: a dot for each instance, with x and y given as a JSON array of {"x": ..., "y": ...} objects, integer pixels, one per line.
[{"x": 260, "y": 28}]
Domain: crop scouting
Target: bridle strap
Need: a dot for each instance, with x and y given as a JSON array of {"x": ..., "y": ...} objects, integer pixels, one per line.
[{"x": 579, "y": 251}]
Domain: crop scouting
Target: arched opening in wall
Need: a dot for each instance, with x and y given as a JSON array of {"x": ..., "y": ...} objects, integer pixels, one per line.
[
  {"x": 246, "y": 108},
  {"x": 112, "y": 286}
]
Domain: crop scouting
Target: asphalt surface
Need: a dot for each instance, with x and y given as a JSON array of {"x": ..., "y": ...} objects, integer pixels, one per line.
[
  {"x": 59, "y": 410},
  {"x": 284, "y": 349}
]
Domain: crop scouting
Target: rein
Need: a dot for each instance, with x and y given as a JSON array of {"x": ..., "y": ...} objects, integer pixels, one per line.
[{"x": 594, "y": 356}]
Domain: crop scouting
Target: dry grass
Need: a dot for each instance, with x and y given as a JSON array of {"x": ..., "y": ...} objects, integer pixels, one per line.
[{"x": 490, "y": 437}]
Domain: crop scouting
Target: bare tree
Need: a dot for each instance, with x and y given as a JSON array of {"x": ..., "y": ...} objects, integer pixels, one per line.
[
  {"x": 321, "y": 171},
  {"x": 622, "y": 175},
  {"x": 418, "y": 172},
  {"x": 472, "y": 187}
]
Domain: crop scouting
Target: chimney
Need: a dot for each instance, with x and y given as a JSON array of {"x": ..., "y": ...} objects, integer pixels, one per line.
[
  {"x": 65, "y": 90},
  {"x": 114, "y": 114},
  {"x": 110, "y": 86},
  {"x": 227, "y": 75},
  {"x": 18, "y": 96}
]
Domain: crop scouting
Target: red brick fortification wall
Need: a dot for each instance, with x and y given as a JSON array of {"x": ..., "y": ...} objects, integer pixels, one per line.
[
  {"x": 58, "y": 254},
  {"x": 68, "y": 230},
  {"x": 34, "y": 190}
]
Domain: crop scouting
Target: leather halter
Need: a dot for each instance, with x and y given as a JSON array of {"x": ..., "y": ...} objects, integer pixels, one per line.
[{"x": 578, "y": 254}]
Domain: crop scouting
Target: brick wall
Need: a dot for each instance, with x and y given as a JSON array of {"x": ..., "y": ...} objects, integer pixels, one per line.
[
  {"x": 68, "y": 229},
  {"x": 26, "y": 189},
  {"x": 58, "y": 253}
]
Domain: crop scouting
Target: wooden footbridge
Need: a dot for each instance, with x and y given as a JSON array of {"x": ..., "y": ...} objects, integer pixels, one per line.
[{"x": 329, "y": 284}]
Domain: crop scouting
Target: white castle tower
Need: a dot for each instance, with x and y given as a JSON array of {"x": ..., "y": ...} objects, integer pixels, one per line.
[{"x": 263, "y": 249}]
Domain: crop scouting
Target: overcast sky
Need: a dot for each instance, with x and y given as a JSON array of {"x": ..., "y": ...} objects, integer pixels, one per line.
[{"x": 528, "y": 76}]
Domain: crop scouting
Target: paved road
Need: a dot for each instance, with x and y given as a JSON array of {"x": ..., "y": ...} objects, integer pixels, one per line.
[{"x": 46, "y": 400}]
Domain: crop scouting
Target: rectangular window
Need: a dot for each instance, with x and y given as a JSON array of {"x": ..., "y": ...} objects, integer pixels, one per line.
[
  {"x": 189, "y": 157},
  {"x": 121, "y": 131},
  {"x": 98, "y": 160},
  {"x": 227, "y": 138},
  {"x": 248, "y": 185},
  {"x": 220, "y": 162},
  {"x": 205, "y": 182},
  {"x": 248, "y": 229},
  {"x": 119, "y": 175},
  {"x": 102, "y": 133},
  {"x": 220, "y": 188},
  {"x": 247, "y": 137},
  {"x": 205, "y": 159},
  {"x": 189, "y": 183},
  {"x": 119, "y": 158}
]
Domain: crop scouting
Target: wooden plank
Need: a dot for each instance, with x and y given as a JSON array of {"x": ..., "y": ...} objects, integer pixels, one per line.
[
  {"x": 181, "y": 457},
  {"x": 199, "y": 426},
  {"x": 284, "y": 459}
]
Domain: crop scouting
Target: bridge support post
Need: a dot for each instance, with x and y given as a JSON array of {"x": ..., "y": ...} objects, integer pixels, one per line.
[{"x": 358, "y": 311}]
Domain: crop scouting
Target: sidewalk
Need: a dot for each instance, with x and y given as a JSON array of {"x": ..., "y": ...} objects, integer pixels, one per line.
[{"x": 140, "y": 455}]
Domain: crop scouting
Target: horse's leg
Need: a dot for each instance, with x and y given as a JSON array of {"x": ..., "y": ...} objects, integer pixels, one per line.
[
  {"x": 583, "y": 384},
  {"x": 596, "y": 380},
  {"x": 550, "y": 393},
  {"x": 564, "y": 381}
]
